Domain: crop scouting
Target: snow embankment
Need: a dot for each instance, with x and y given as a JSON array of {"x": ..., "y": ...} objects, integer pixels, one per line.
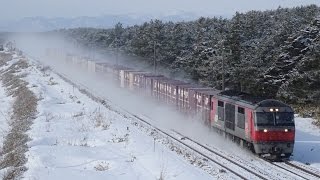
[{"x": 6, "y": 105}]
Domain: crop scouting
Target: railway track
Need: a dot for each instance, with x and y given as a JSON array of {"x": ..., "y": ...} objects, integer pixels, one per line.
[
  {"x": 225, "y": 158},
  {"x": 242, "y": 171},
  {"x": 288, "y": 166},
  {"x": 303, "y": 173},
  {"x": 304, "y": 168}
]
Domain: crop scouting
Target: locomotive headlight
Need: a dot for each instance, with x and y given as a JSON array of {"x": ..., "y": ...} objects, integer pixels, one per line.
[
  {"x": 285, "y": 130},
  {"x": 271, "y": 110},
  {"x": 277, "y": 110},
  {"x": 265, "y": 130}
]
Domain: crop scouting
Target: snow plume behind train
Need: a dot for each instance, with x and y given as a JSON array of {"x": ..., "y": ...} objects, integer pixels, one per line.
[{"x": 37, "y": 46}]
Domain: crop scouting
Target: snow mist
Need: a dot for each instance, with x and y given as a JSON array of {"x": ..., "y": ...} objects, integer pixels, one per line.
[{"x": 102, "y": 85}]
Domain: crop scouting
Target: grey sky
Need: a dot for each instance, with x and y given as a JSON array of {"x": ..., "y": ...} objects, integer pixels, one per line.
[{"x": 16, "y": 9}]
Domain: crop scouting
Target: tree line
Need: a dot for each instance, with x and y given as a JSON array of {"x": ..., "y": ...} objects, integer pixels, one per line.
[{"x": 274, "y": 53}]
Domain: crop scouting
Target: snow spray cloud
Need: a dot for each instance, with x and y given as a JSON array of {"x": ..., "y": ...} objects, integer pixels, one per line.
[{"x": 165, "y": 117}]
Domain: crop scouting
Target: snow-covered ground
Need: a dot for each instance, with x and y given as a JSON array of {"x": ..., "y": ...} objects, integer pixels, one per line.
[
  {"x": 74, "y": 137},
  {"x": 307, "y": 144}
]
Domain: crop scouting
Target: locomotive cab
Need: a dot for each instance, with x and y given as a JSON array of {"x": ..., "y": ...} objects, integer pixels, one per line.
[{"x": 274, "y": 129}]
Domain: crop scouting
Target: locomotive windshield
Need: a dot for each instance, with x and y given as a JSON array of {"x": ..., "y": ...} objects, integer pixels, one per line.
[{"x": 275, "y": 119}]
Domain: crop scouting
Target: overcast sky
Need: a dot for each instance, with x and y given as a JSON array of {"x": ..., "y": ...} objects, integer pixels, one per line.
[{"x": 16, "y": 9}]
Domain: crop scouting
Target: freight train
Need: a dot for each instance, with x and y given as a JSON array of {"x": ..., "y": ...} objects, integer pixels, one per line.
[{"x": 266, "y": 126}]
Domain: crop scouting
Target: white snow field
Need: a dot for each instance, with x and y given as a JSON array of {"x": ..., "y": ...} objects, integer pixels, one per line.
[
  {"x": 307, "y": 144},
  {"x": 74, "y": 137}
]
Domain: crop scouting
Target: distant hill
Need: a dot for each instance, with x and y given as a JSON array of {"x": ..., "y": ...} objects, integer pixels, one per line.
[{"x": 38, "y": 24}]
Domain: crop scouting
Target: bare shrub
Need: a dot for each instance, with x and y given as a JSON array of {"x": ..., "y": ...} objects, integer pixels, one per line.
[
  {"x": 48, "y": 127},
  {"x": 48, "y": 116},
  {"x": 21, "y": 64},
  {"x": 13, "y": 173},
  {"x": 84, "y": 127},
  {"x": 103, "y": 166},
  {"x": 40, "y": 96},
  {"x": 163, "y": 172},
  {"x": 51, "y": 82},
  {"x": 79, "y": 114},
  {"x": 23, "y": 75},
  {"x": 309, "y": 111},
  {"x": 4, "y": 58},
  {"x": 44, "y": 69},
  {"x": 84, "y": 141},
  {"x": 317, "y": 118},
  {"x": 74, "y": 98},
  {"x": 125, "y": 139},
  {"x": 132, "y": 159},
  {"x": 161, "y": 175},
  {"x": 99, "y": 119}
]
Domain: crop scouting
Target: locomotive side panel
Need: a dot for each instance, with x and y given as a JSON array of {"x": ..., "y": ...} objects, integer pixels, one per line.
[
  {"x": 240, "y": 122},
  {"x": 249, "y": 124}
]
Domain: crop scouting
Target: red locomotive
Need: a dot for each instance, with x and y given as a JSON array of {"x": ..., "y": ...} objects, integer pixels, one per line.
[{"x": 266, "y": 126}]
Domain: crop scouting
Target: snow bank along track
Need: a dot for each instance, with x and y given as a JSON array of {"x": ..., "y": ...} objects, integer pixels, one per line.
[{"x": 240, "y": 169}]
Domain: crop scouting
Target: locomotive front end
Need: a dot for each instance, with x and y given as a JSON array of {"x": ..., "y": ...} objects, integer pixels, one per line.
[{"x": 274, "y": 129}]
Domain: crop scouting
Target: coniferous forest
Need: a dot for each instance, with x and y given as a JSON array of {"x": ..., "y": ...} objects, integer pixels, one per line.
[{"x": 274, "y": 53}]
